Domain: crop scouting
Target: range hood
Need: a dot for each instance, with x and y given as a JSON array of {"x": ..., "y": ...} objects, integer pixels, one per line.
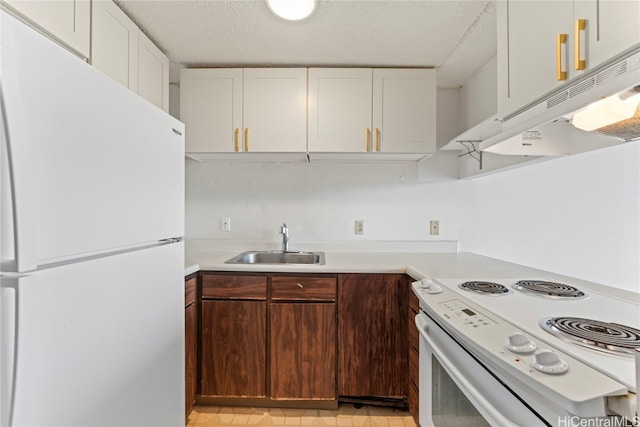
[{"x": 553, "y": 126}]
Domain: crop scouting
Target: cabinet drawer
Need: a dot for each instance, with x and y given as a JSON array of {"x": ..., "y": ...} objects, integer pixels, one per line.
[
  {"x": 189, "y": 291},
  {"x": 303, "y": 288},
  {"x": 234, "y": 287}
]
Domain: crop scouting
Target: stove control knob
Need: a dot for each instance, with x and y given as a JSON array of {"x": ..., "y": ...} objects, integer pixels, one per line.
[
  {"x": 520, "y": 343},
  {"x": 549, "y": 362},
  {"x": 430, "y": 286}
]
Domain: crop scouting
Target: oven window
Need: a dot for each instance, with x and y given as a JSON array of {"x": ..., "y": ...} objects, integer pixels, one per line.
[{"x": 450, "y": 407}]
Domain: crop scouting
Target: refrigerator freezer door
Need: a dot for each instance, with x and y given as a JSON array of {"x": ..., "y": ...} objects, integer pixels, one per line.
[
  {"x": 100, "y": 342},
  {"x": 94, "y": 166}
]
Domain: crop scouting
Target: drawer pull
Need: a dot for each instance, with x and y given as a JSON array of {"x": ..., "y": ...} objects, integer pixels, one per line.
[{"x": 300, "y": 285}]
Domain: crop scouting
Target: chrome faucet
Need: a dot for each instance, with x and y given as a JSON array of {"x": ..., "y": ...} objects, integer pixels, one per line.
[{"x": 285, "y": 237}]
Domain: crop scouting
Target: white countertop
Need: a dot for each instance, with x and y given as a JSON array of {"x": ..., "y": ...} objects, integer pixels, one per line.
[{"x": 417, "y": 259}]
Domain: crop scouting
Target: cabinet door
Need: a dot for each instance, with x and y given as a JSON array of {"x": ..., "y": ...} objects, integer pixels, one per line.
[
  {"x": 190, "y": 356},
  {"x": 275, "y": 109},
  {"x": 233, "y": 348},
  {"x": 612, "y": 26},
  {"x": 153, "y": 73},
  {"x": 527, "y": 37},
  {"x": 372, "y": 335},
  {"x": 339, "y": 109},
  {"x": 303, "y": 347},
  {"x": 404, "y": 111},
  {"x": 69, "y": 21},
  {"x": 114, "y": 43},
  {"x": 190, "y": 343},
  {"x": 211, "y": 109}
]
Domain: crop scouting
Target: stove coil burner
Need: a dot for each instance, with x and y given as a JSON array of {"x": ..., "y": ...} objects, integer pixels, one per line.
[
  {"x": 487, "y": 288},
  {"x": 603, "y": 336},
  {"x": 549, "y": 289}
]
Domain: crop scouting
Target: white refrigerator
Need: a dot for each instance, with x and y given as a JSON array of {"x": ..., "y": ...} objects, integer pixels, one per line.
[{"x": 91, "y": 222}]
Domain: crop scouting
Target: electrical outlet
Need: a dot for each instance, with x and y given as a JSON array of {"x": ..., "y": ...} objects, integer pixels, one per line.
[
  {"x": 225, "y": 223},
  {"x": 434, "y": 228},
  {"x": 359, "y": 228}
]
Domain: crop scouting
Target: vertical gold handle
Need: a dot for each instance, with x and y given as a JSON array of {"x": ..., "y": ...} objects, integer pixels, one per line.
[
  {"x": 377, "y": 139},
  {"x": 236, "y": 136},
  {"x": 246, "y": 139},
  {"x": 368, "y": 139},
  {"x": 580, "y": 25},
  {"x": 561, "y": 40}
]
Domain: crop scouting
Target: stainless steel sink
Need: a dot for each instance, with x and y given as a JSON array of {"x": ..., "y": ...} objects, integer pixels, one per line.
[{"x": 278, "y": 257}]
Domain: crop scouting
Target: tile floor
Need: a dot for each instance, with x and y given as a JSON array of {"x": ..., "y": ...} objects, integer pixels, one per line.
[{"x": 345, "y": 415}]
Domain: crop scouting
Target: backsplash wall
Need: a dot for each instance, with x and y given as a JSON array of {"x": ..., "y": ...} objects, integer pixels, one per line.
[
  {"x": 577, "y": 215},
  {"x": 321, "y": 201}
]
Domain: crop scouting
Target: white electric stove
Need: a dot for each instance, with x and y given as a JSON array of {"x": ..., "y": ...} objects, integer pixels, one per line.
[{"x": 510, "y": 328}]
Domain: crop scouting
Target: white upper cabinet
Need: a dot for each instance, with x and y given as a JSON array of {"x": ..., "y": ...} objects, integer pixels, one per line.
[
  {"x": 340, "y": 112},
  {"x": 542, "y": 44},
  {"x": 360, "y": 110},
  {"x": 528, "y": 64},
  {"x": 115, "y": 43},
  {"x": 404, "y": 110},
  {"x": 153, "y": 73},
  {"x": 275, "y": 109},
  {"x": 339, "y": 109},
  {"x": 68, "y": 21},
  {"x": 211, "y": 109},
  {"x": 611, "y": 27},
  {"x": 258, "y": 110},
  {"x": 120, "y": 50}
]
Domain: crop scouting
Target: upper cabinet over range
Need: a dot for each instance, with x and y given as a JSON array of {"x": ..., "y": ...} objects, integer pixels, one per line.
[
  {"x": 542, "y": 44},
  {"x": 344, "y": 111}
]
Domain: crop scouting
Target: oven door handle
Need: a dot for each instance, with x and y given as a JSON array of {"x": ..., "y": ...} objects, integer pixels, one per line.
[{"x": 472, "y": 393}]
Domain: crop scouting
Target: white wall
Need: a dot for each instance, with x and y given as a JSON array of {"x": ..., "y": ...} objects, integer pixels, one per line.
[
  {"x": 479, "y": 95},
  {"x": 577, "y": 215},
  {"x": 321, "y": 201}
]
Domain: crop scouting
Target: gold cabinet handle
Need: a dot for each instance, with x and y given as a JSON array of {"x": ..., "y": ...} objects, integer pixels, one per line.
[
  {"x": 368, "y": 139},
  {"x": 580, "y": 25},
  {"x": 560, "y": 41},
  {"x": 377, "y": 139},
  {"x": 236, "y": 136},
  {"x": 246, "y": 139}
]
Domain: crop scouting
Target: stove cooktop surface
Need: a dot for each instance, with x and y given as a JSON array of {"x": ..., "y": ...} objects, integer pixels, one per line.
[
  {"x": 546, "y": 289},
  {"x": 526, "y": 311},
  {"x": 597, "y": 335}
]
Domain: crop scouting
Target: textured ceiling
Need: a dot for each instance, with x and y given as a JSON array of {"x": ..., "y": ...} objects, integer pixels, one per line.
[{"x": 456, "y": 36}]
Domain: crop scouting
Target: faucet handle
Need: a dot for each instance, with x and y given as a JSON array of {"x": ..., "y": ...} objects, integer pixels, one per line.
[{"x": 284, "y": 228}]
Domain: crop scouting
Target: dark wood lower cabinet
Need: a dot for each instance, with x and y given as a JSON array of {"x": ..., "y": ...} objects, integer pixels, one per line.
[
  {"x": 372, "y": 335},
  {"x": 233, "y": 348},
  {"x": 414, "y": 358},
  {"x": 190, "y": 343},
  {"x": 295, "y": 339},
  {"x": 303, "y": 343}
]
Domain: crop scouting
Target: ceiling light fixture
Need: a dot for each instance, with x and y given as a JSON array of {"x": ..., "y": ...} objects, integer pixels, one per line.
[{"x": 292, "y": 10}]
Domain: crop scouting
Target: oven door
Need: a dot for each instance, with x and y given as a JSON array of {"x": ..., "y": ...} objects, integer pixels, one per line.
[{"x": 456, "y": 390}]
